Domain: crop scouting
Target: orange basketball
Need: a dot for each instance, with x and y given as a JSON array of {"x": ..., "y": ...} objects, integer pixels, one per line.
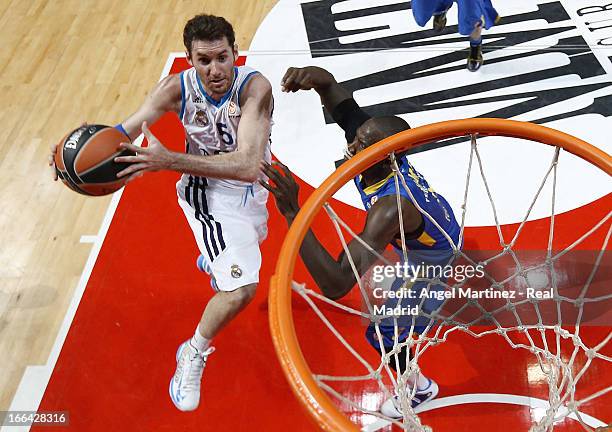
[{"x": 84, "y": 159}]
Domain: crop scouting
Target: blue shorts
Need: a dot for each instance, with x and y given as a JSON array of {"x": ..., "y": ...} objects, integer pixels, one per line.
[
  {"x": 426, "y": 305},
  {"x": 470, "y": 12}
]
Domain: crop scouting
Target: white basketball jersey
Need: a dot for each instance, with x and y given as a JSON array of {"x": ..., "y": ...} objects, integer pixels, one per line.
[{"x": 212, "y": 127}]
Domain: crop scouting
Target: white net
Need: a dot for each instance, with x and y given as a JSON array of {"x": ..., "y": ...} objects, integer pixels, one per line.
[{"x": 551, "y": 328}]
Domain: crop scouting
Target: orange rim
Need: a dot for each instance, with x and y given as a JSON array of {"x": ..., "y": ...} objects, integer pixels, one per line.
[{"x": 324, "y": 412}]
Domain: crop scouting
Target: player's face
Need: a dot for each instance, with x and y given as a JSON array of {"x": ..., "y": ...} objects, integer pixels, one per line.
[
  {"x": 366, "y": 136},
  {"x": 214, "y": 62}
]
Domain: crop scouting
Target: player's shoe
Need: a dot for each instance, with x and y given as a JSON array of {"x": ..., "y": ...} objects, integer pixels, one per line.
[
  {"x": 475, "y": 59},
  {"x": 185, "y": 384},
  {"x": 439, "y": 22},
  {"x": 202, "y": 267},
  {"x": 392, "y": 407}
]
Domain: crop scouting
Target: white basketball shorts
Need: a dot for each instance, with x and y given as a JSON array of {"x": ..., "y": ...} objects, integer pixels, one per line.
[{"x": 228, "y": 225}]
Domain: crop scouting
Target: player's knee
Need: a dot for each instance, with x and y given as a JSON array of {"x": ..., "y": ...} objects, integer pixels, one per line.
[{"x": 243, "y": 295}]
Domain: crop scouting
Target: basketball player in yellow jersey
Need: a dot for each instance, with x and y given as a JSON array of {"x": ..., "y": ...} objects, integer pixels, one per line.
[
  {"x": 227, "y": 115},
  {"x": 427, "y": 244}
]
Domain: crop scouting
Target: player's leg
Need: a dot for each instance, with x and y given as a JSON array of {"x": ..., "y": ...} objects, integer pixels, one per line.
[
  {"x": 470, "y": 16},
  {"x": 242, "y": 220},
  {"x": 420, "y": 293},
  {"x": 229, "y": 246},
  {"x": 473, "y": 16},
  {"x": 193, "y": 353},
  {"x": 439, "y": 15},
  {"x": 475, "y": 59},
  {"x": 425, "y": 389},
  {"x": 423, "y": 10},
  {"x": 222, "y": 308}
]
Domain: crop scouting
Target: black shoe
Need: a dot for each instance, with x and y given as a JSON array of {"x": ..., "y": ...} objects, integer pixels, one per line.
[
  {"x": 475, "y": 59},
  {"x": 439, "y": 22}
]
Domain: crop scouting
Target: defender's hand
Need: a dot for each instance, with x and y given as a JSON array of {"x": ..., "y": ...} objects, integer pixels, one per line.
[
  {"x": 285, "y": 189},
  {"x": 306, "y": 78},
  {"x": 154, "y": 157}
]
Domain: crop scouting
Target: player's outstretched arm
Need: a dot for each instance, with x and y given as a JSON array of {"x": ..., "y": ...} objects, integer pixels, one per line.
[
  {"x": 165, "y": 97},
  {"x": 334, "y": 276},
  {"x": 318, "y": 79}
]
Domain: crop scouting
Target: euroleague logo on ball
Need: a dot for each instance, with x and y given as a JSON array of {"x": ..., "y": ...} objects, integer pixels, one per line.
[
  {"x": 85, "y": 160},
  {"x": 71, "y": 143}
]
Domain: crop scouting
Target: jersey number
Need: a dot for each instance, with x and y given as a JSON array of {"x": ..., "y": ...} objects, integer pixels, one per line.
[{"x": 226, "y": 137}]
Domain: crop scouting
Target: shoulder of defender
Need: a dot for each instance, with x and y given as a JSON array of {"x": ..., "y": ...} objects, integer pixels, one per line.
[{"x": 384, "y": 213}]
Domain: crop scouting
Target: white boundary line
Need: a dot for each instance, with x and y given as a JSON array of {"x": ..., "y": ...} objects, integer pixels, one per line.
[
  {"x": 88, "y": 239},
  {"x": 35, "y": 379},
  {"x": 540, "y": 405}
]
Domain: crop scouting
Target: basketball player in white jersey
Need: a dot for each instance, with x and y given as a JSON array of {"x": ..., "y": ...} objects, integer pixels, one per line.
[{"x": 227, "y": 115}]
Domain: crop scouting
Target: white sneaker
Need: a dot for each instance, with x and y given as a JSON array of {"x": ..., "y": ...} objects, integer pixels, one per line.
[
  {"x": 392, "y": 407},
  {"x": 185, "y": 384}
]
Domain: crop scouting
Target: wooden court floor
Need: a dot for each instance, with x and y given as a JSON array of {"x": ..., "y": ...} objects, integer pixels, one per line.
[{"x": 62, "y": 63}]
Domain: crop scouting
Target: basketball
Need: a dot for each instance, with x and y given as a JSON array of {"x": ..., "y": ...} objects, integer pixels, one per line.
[{"x": 84, "y": 159}]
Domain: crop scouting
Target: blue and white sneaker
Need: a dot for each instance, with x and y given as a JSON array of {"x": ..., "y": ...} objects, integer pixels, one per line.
[
  {"x": 185, "y": 384},
  {"x": 205, "y": 269},
  {"x": 392, "y": 407}
]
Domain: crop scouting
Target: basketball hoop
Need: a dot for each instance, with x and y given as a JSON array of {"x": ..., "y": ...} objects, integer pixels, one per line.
[{"x": 322, "y": 409}]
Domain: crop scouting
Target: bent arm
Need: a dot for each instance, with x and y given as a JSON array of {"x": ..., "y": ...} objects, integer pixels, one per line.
[
  {"x": 332, "y": 93},
  {"x": 318, "y": 79},
  {"x": 253, "y": 137},
  {"x": 335, "y": 276},
  {"x": 338, "y": 101}
]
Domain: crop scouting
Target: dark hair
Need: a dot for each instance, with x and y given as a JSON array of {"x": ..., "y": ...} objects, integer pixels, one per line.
[
  {"x": 390, "y": 125},
  {"x": 207, "y": 28}
]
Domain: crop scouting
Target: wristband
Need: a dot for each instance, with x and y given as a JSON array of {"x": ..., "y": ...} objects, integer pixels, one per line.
[{"x": 121, "y": 129}]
